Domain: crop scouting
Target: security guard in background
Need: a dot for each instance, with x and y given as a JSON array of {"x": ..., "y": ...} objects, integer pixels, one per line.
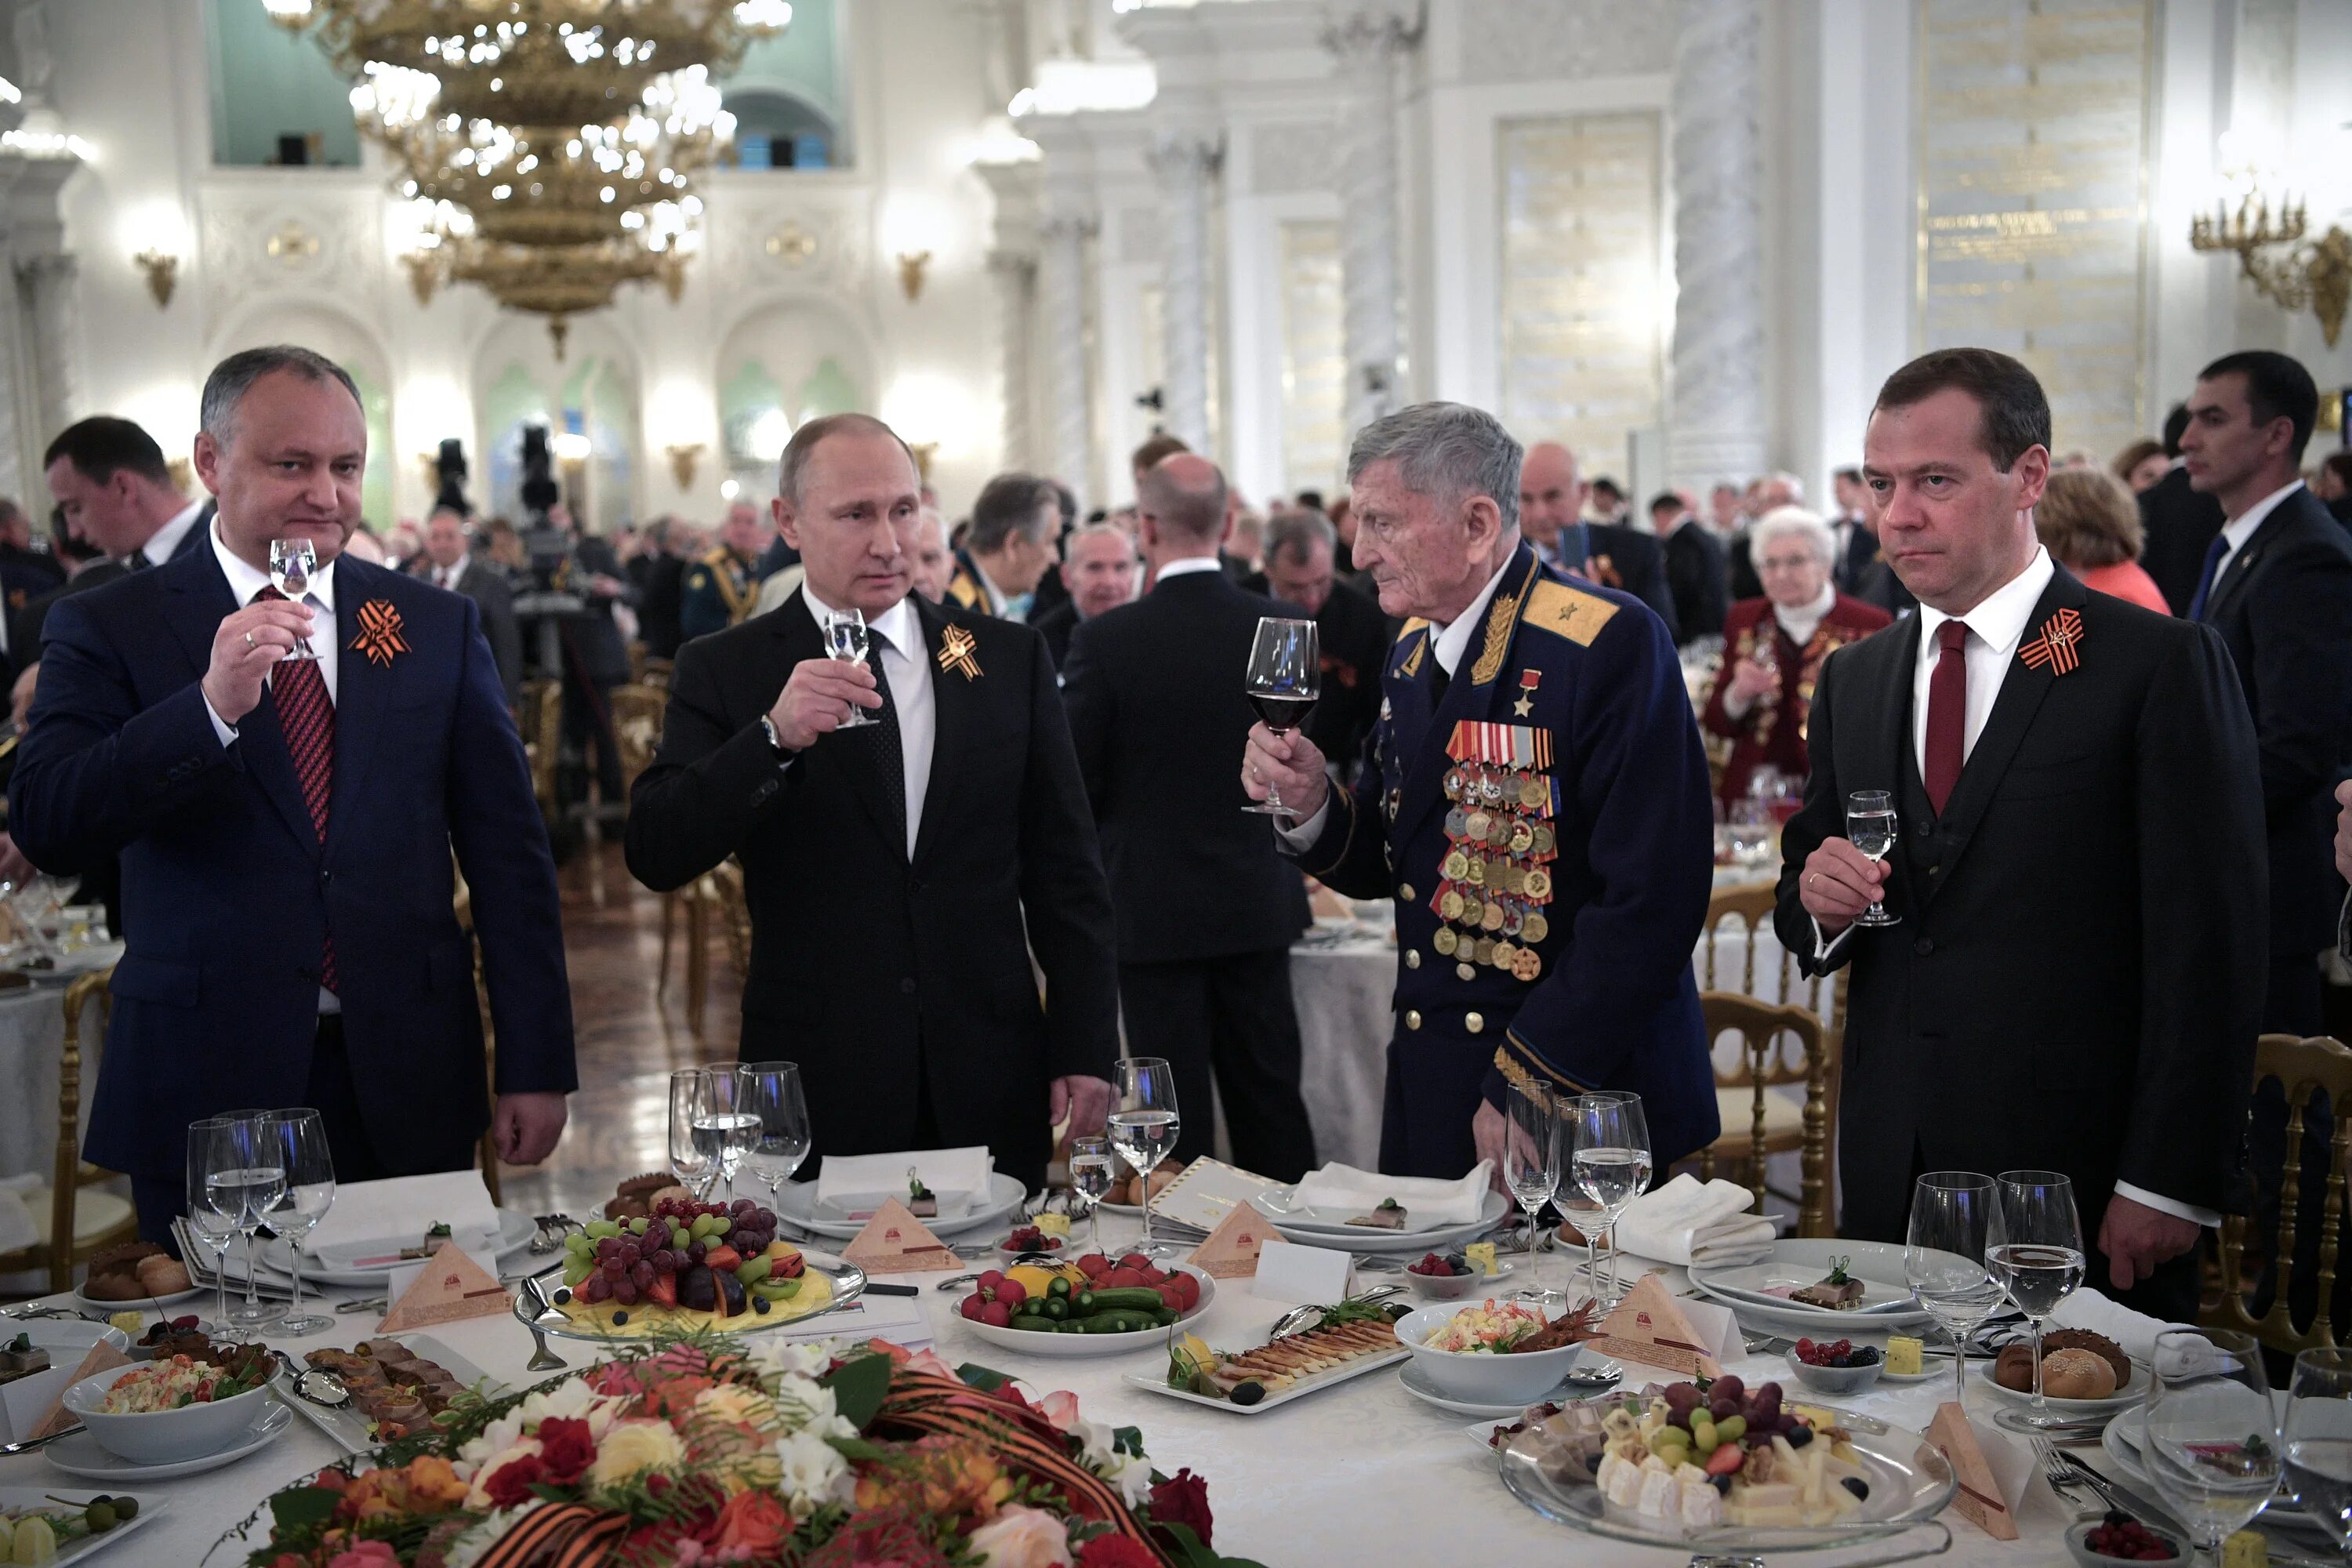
[
  {"x": 1535, "y": 797},
  {"x": 721, "y": 587}
]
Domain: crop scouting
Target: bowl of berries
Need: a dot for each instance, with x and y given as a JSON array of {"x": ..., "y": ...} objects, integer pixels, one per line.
[
  {"x": 688, "y": 1267},
  {"x": 1836, "y": 1367},
  {"x": 2119, "y": 1538},
  {"x": 1032, "y": 1238},
  {"x": 1450, "y": 1275}
]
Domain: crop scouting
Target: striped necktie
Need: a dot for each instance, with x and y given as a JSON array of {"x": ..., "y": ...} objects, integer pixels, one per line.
[{"x": 307, "y": 716}]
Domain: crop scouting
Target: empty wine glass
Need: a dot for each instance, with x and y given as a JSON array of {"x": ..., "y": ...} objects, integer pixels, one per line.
[
  {"x": 1954, "y": 1219},
  {"x": 1144, "y": 1123},
  {"x": 1531, "y": 1153},
  {"x": 771, "y": 1093},
  {"x": 292, "y": 564},
  {"x": 694, "y": 1167},
  {"x": 2039, "y": 1261},
  {"x": 1611, "y": 1161},
  {"x": 2212, "y": 1432},
  {"x": 297, "y": 1140},
  {"x": 1869, "y": 827},
  {"x": 2318, "y": 1432},
  {"x": 844, "y": 641},
  {"x": 1090, "y": 1181},
  {"x": 1286, "y": 676},
  {"x": 216, "y": 1208}
]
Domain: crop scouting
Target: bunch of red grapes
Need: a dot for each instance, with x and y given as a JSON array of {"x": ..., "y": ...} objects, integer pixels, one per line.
[{"x": 680, "y": 1234}]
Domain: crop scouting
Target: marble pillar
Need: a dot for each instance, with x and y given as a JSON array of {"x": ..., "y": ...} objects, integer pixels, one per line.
[
  {"x": 1183, "y": 162},
  {"x": 1367, "y": 40},
  {"x": 1015, "y": 273},
  {"x": 1062, "y": 300},
  {"x": 1715, "y": 429},
  {"x": 53, "y": 282}
]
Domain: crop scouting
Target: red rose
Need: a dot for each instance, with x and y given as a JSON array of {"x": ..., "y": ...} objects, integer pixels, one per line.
[
  {"x": 566, "y": 1449},
  {"x": 1117, "y": 1552},
  {"x": 510, "y": 1485},
  {"x": 1184, "y": 1499},
  {"x": 754, "y": 1522}
]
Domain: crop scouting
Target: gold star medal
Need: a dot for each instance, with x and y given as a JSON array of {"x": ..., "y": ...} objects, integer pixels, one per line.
[{"x": 1528, "y": 680}]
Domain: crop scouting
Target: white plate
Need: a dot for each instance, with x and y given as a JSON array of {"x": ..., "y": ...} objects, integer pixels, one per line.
[
  {"x": 67, "y": 1340},
  {"x": 27, "y": 1498},
  {"x": 1414, "y": 1382},
  {"x": 79, "y": 1454},
  {"x": 515, "y": 1231},
  {"x": 143, "y": 1304},
  {"x": 346, "y": 1426},
  {"x": 1317, "y": 1385},
  {"x": 1795, "y": 1261},
  {"x": 1078, "y": 1347},
  {"x": 796, "y": 1205},
  {"x": 2124, "y": 1398},
  {"x": 1280, "y": 1203},
  {"x": 87, "y": 961},
  {"x": 1362, "y": 1239}
]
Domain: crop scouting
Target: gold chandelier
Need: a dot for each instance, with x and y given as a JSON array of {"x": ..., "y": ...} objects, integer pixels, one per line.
[{"x": 550, "y": 145}]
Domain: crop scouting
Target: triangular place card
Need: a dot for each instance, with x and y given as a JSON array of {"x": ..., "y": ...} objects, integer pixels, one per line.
[
  {"x": 1231, "y": 1252},
  {"x": 894, "y": 1242},
  {"x": 102, "y": 1357},
  {"x": 1650, "y": 1328},
  {"x": 1979, "y": 1498},
  {"x": 447, "y": 1287}
]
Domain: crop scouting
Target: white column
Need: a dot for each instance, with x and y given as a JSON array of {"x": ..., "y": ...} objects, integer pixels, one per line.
[
  {"x": 1062, "y": 299},
  {"x": 1183, "y": 162},
  {"x": 1717, "y": 422},
  {"x": 57, "y": 330},
  {"x": 1015, "y": 274},
  {"x": 1366, "y": 42}
]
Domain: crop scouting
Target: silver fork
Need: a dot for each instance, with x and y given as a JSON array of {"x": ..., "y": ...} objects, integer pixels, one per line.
[{"x": 2062, "y": 1478}]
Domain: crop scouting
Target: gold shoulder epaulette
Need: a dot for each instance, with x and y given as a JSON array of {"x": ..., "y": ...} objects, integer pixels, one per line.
[
  {"x": 1411, "y": 627},
  {"x": 1567, "y": 612}
]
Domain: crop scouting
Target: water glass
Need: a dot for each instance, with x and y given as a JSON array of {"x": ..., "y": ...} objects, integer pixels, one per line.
[
  {"x": 2038, "y": 1261},
  {"x": 1144, "y": 1122},
  {"x": 2319, "y": 1433},
  {"x": 1954, "y": 1219},
  {"x": 844, "y": 642},
  {"x": 297, "y": 1140},
  {"x": 1090, "y": 1181},
  {"x": 2213, "y": 1448},
  {"x": 1611, "y": 1147},
  {"x": 292, "y": 564},
  {"x": 771, "y": 1091},
  {"x": 214, "y": 1208},
  {"x": 1870, "y": 821},
  {"x": 694, "y": 1167},
  {"x": 722, "y": 1128}
]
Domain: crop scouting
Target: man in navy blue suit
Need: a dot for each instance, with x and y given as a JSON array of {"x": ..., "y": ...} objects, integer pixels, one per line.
[{"x": 285, "y": 823}]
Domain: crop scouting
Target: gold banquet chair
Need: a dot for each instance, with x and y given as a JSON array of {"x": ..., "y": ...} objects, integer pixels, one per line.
[
  {"x": 2303, "y": 1068},
  {"x": 464, "y": 903},
  {"x": 91, "y": 1221}
]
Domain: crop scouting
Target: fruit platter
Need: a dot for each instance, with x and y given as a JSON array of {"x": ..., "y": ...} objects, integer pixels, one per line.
[
  {"x": 687, "y": 1268},
  {"x": 1089, "y": 1306}
]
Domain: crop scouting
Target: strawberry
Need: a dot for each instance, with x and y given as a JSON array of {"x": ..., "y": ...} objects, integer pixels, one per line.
[
  {"x": 723, "y": 1256},
  {"x": 663, "y": 1290}
]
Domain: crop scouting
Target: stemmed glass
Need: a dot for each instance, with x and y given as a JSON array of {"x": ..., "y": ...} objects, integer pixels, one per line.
[
  {"x": 1090, "y": 1180},
  {"x": 292, "y": 564},
  {"x": 2318, "y": 1431},
  {"x": 771, "y": 1093},
  {"x": 1870, "y": 826},
  {"x": 1955, "y": 1218},
  {"x": 2212, "y": 1434},
  {"x": 722, "y": 1128},
  {"x": 1611, "y": 1138},
  {"x": 2038, "y": 1259},
  {"x": 845, "y": 640},
  {"x": 1285, "y": 676},
  {"x": 1144, "y": 1122},
  {"x": 215, "y": 1209},
  {"x": 261, "y": 1176},
  {"x": 693, "y": 1166},
  {"x": 1531, "y": 1150},
  {"x": 297, "y": 1140},
  {"x": 1578, "y": 1210}
]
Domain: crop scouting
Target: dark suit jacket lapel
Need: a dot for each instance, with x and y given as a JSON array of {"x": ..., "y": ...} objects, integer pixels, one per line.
[
  {"x": 2249, "y": 556},
  {"x": 955, "y": 706},
  {"x": 363, "y": 692},
  {"x": 796, "y": 630},
  {"x": 1467, "y": 697},
  {"x": 201, "y": 600}
]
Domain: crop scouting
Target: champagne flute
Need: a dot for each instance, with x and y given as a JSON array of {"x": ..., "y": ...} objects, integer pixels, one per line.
[
  {"x": 722, "y": 1129},
  {"x": 1613, "y": 1161},
  {"x": 292, "y": 564},
  {"x": 2212, "y": 1434},
  {"x": 2318, "y": 1432},
  {"x": 1531, "y": 1150},
  {"x": 1144, "y": 1122},
  {"x": 297, "y": 1140},
  {"x": 1955, "y": 1218},
  {"x": 2039, "y": 1262},
  {"x": 845, "y": 640},
  {"x": 1090, "y": 1181},
  {"x": 694, "y": 1168},
  {"x": 771, "y": 1091},
  {"x": 1286, "y": 675},
  {"x": 1870, "y": 826},
  {"x": 214, "y": 1210}
]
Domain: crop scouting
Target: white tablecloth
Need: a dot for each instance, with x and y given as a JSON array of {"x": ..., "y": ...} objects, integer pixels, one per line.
[
  {"x": 32, "y": 1036},
  {"x": 1362, "y": 1473}
]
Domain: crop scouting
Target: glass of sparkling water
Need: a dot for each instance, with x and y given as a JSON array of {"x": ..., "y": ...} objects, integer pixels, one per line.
[
  {"x": 2039, "y": 1262},
  {"x": 292, "y": 564},
  {"x": 1090, "y": 1180},
  {"x": 1144, "y": 1122},
  {"x": 2213, "y": 1448},
  {"x": 2319, "y": 1433},
  {"x": 844, "y": 641},
  {"x": 1869, "y": 827},
  {"x": 1611, "y": 1136}
]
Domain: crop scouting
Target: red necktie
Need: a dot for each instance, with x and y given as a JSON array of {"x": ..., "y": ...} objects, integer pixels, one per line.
[
  {"x": 1947, "y": 713},
  {"x": 307, "y": 715}
]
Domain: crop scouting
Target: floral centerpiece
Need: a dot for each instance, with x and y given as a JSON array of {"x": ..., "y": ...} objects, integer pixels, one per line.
[{"x": 707, "y": 1452}]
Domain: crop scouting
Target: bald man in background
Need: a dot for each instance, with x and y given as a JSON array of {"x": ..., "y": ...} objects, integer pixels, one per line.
[{"x": 1551, "y": 505}]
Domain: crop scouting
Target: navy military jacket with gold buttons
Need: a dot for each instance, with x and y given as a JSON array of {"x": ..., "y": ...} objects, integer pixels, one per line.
[{"x": 1547, "y": 831}]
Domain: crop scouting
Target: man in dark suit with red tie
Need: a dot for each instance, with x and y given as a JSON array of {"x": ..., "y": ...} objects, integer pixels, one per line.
[
  {"x": 285, "y": 823},
  {"x": 2076, "y": 979}
]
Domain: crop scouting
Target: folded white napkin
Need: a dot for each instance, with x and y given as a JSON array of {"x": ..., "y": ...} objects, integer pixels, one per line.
[
  {"x": 957, "y": 1177},
  {"x": 1338, "y": 1186},
  {"x": 394, "y": 1213},
  {"x": 1684, "y": 1222},
  {"x": 2100, "y": 1314},
  {"x": 16, "y": 1226}
]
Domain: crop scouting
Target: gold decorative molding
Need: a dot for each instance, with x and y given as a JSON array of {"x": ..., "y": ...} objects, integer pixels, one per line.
[
  {"x": 292, "y": 245},
  {"x": 162, "y": 270},
  {"x": 791, "y": 245},
  {"x": 683, "y": 456}
]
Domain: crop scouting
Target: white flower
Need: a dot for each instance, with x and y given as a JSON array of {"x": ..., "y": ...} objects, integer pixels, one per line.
[
  {"x": 807, "y": 1359},
  {"x": 1131, "y": 1474},
  {"x": 810, "y": 1406},
  {"x": 814, "y": 1473},
  {"x": 493, "y": 1440},
  {"x": 469, "y": 1547},
  {"x": 1097, "y": 1445}
]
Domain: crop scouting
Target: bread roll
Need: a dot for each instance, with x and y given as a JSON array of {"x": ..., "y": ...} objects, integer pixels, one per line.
[
  {"x": 2013, "y": 1368},
  {"x": 163, "y": 1276},
  {"x": 2105, "y": 1349},
  {"x": 2076, "y": 1374}
]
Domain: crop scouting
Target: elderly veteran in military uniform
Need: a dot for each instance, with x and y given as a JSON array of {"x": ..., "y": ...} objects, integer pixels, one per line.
[
  {"x": 1535, "y": 796},
  {"x": 722, "y": 588}
]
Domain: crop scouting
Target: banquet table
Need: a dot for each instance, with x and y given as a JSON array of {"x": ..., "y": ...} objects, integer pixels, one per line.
[
  {"x": 1358, "y": 1473},
  {"x": 32, "y": 1037}
]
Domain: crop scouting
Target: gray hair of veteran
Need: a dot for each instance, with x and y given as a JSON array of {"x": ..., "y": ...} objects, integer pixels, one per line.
[
  {"x": 1793, "y": 521},
  {"x": 1010, "y": 505},
  {"x": 1295, "y": 534},
  {"x": 234, "y": 377},
  {"x": 1098, "y": 530},
  {"x": 1449, "y": 450}
]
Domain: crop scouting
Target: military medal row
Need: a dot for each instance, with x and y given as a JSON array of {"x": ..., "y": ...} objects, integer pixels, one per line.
[{"x": 1500, "y": 839}]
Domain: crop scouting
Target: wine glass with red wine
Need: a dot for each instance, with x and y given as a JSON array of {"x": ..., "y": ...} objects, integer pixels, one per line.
[{"x": 1285, "y": 676}]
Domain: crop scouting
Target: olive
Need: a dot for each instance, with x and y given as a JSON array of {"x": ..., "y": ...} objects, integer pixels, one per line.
[
  {"x": 99, "y": 1516},
  {"x": 1248, "y": 1393}
]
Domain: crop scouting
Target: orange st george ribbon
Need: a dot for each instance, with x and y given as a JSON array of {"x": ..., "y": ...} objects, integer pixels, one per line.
[
  {"x": 379, "y": 637},
  {"x": 2058, "y": 646}
]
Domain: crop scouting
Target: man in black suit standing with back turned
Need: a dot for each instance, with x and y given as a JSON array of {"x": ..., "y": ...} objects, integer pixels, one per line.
[
  {"x": 2076, "y": 980},
  {"x": 891, "y": 868},
  {"x": 1207, "y": 905},
  {"x": 2277, "y": 585},
  {"x": 2178, "y": 522}
]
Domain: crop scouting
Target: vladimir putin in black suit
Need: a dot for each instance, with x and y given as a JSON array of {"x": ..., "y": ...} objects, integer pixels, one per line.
[
  {"x": 2076, "y": 980},
  {"x": 2277, "y": 585},
  {"x": 2178, "y": 522},
  {"x": 891, "y": 868},
  {"x": 1207, "y": 905},
  {"x": 1551, "y": 499}
]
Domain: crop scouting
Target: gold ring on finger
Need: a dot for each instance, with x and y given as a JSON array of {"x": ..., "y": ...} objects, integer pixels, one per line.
[{"x": 248, "y": 639}]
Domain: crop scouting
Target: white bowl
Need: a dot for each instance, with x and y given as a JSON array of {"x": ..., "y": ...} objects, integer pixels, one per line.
[
  {"x": 1481, "y": 1377},
  {"x": 1836, "y": 1381},
  {"x": 165, "y": 1436},
  {"x": 1456, "y": 1287}
]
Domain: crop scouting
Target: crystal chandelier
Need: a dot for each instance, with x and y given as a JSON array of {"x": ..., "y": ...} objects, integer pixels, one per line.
[{"x": 553, "y": 143}]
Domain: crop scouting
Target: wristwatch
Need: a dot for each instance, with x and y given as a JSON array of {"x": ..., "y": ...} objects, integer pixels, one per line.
[{"x": 768, "y": 728}]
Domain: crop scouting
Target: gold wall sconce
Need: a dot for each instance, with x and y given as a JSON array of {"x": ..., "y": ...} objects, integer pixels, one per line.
[
  {"x": 424, "y": 269},
  {"x": 162, "y": 270},
  {"x": 924, "y": 452},
  {"x": 912, "y": 265},
  {"x": 2293, "y": 272},
  {"x": 683, "y": 457}
]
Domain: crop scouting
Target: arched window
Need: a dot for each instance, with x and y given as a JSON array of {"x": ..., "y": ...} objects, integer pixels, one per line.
[{"x": 780, "y": 130}]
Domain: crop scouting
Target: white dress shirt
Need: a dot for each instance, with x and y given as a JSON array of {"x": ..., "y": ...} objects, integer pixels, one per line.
[
  {"x": 167, "y": 539},
  {"x": 1447, "y": 646},
  {"x": 447, "y": 577},
  {"x": 906, "y": 666},
  {"x": 1189, "y": 563},
  {"x": 2241, "y": 528}
]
